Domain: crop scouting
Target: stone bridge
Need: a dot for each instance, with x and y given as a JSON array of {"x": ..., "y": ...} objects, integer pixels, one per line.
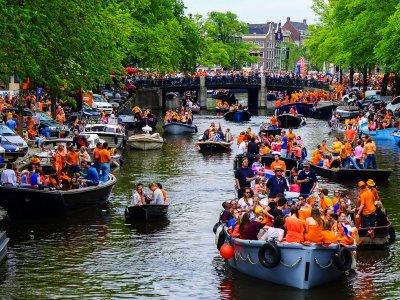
[{"x": 152, "y": 92}]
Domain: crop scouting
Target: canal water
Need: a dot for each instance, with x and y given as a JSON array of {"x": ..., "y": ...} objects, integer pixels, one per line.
[{"x": 96, "y": 254}]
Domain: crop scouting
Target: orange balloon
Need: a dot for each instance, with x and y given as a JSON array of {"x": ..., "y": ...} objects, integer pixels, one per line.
[{"x": 227, "y": 251}]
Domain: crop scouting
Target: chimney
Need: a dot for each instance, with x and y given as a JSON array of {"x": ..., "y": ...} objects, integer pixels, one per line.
[
  {"x": 288, "y": 19},
  {"x": 304, "y": 21}
]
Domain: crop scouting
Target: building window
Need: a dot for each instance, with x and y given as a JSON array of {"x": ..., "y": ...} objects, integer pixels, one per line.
[
  {"x": 261, "y": 53},
  {"x": 261, "y": 64},
  {"x": 262, "y": 44},
  {"x": 256, "y": 43}
]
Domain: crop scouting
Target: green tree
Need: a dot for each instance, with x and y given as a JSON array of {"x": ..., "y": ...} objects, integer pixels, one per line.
[{"x": 223, "y": 43}]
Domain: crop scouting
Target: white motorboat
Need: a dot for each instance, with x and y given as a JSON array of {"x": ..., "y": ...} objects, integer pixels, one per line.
[
  {"x": 146, "y": 140},
  {"x": 3, "y": 237},
  {"x": 113, "y": 134}
]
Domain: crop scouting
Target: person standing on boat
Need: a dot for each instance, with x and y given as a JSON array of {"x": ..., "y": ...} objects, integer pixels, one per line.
[
  {"x": 367, "y": 207},
  {"x": 307, "y": 180},
  {"x": 96, "y": 156},
  {"x": 243, "y": 177},
  {"x": 158, "y": 197},
  {"x": 369, "y": 150},
  {"x": 8, "y": 176},
  {"x": 252, "y": 146},
  {"x": 79, "y": 140},
  {"x": 277, "y": 184},
  {"x": 350, "y": 134},
  {"x": 105, "y": 159},
  {"x": 73, "y": 160},
  {"x": 243, "y": 146}
]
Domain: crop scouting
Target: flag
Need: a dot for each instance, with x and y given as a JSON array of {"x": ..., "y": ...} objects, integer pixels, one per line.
[
  {"x": 347, "y": 229},
  {"x": 39, "y": 91},
  {"x": 302, "y": 63}
]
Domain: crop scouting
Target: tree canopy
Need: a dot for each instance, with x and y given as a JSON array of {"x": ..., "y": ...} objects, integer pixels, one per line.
[{"x": 223, "y": 45}]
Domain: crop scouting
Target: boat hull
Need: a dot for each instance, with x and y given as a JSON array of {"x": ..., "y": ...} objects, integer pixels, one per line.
[
  {"x": 272, "y": 132},
  {"x": 265, "y": 160},
  {"x": 145, "y": 144},
  {"x": 221, "y": 110},
  {"x": 3, "y": 245},
  {"x": 114, "y": 141},
  {"x": 381, "y": 236},
  {"x": 353, "y": 175},
  {"x": 289, "y": 121},
  {"x": 237, "y": 116},
  {"x": 301, "y": 108},
  {"x": 396, "y": 136},
  {"x": 323, "y": 112},
  {"x": 179, "y": 128},
  {"x": 210, "y": 146},
  {"x": 143, "y": 122},
  {"x": 146, "y": 212},
  {"x": 383, "y": 134},
  {"x": 302, "y": 267},
  {"x": 27, "y": 202}
]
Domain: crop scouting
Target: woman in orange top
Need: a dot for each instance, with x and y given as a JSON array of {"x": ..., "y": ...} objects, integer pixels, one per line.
[
  {"x": 314, "y": 227},
  {"x": 73, "y": 160},
  {"x": 305, "y": 211},
  {"x": 294, "y": 226},
  {"x": 328, "y": 235}
]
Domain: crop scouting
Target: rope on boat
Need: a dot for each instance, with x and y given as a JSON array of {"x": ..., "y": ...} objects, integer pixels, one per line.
[
  {"x": 324, "y": 267},
  {"x": 247, "y": 258},
  {"x": 292, "y": 265}
]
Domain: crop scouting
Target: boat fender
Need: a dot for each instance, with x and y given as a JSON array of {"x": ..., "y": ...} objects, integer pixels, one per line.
[
  {"x": 355, "y": 127},
  {"x": 392, "y": 235},
  {"x": 273, "y": 257},
  {"x": 220, "y": 237},
  {"x": 216, "y": 227},
  {"x": 342, "y": 259},
  {"x": 341, "y": 126}
]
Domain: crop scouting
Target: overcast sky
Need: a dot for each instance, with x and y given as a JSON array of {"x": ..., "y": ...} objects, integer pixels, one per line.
[{"x": 256, "y": 11}]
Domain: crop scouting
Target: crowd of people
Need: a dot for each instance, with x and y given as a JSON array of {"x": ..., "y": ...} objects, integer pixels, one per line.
[
  {"x": 183, "y": 115},
  {"x": 216, "y": 134},
  {"x": 309, "y": 219}
]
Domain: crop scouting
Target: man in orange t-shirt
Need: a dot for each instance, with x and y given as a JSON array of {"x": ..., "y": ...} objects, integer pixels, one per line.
[
  {"x": 96, "y": 157},
  {"x": 105, "y": 159},
  {"x": 277, "y": 163},
  {"x": 73, "y": 160},
  {"x": 367, "y": 207},
  {"x": 350, "y": 134}
]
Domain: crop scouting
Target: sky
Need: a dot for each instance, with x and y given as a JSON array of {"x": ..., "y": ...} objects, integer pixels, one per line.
[{"x": 256, "y": 11}]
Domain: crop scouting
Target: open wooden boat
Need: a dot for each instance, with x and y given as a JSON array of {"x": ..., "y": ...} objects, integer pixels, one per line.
[
  {"x": 377, "y": 236},
  {"x": 290, "y": 121},
  {"x": 239, "y": 115},
  {"x": 381, "y": 134},
  {"x": 179, "y": 128},
  {"x": 28, "y": 202},
  {"x": 146, "y": 211},
  {"x": 353, "y": 175},
  {"x": 323, "y": 111},
  {"x": 301, "y": 108},
  {"x": 212, "y": 146}
]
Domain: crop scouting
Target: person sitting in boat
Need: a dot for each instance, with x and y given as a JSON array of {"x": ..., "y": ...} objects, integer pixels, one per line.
[
  {"x": 264, "y": 150},
  {"x": 292, "y": 111},
  {"x": 305, "y": 211},
  {"x": 294, "y": 226},
  {"x": 228, "y": 136},
  {"x": 157, "y": 197},
  {"x": 281, "y": 208},
  {"x": 64, "y": 180},
  {"x": 164, "y": 192},
  {"x": 219, "y": 104},
  {"x": 137, "y": 112},
  {"x": 276, "y": 232},
  {"x": 226, "y": 214},
  {"x": 92, "y": 177},
  {"x": 246, "y": 202},
  {"x": 314, "y": 226},
  {"x": 274, "y": 122},
  {"x": 381, "y": 214},
  {"x": 324, "y": 201},
  {"x": 278, "y": 163},
  {"x": 138, "y": 196},
  {"x": 36, "y": 179},
  {"x": 254, "y": 227}
]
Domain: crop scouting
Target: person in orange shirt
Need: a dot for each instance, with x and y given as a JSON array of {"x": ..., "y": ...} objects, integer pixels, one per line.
[
  {"x": 294, "y": 226},
  {"x": 274, "y": 122},
  {"x": 317, "y": 157},
  {"x": 324, "y": 202},
  {"x": 314, "y": 227},
  {"x": 324, "y": 146},
  {"x": 72, "y": 160},
  {"x": 305, "y": 210},
  {"x": 277, "y": 163},
  {"x": 372, "y": 188},
  {"x": 367, "y": 206},
  {"x": 292, "y": 111},
  {"x": 60, "y": 158},
  {"x": 105, "y": 159},
  {"x": 350, "y": 134}
]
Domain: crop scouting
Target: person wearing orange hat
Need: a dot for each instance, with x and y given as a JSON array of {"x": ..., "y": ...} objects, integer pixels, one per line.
[
  {"x": 372, "y": 187},
  {"x": 367, "y": 207}
]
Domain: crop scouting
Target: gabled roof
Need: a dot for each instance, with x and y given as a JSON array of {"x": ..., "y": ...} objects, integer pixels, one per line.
[
  {"x": 259, "y": 28},
  {"x": 300, "y": 26}
]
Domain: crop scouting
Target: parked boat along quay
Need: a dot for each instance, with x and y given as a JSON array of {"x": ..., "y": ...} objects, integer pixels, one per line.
[{"x": 98, "y": 253}]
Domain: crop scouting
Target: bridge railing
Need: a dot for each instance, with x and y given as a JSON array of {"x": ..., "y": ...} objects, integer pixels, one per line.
[{"x": 221, "y": 81}]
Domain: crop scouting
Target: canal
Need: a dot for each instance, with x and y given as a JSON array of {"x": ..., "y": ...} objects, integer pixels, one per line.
[{"x": 96, "y": 254}]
